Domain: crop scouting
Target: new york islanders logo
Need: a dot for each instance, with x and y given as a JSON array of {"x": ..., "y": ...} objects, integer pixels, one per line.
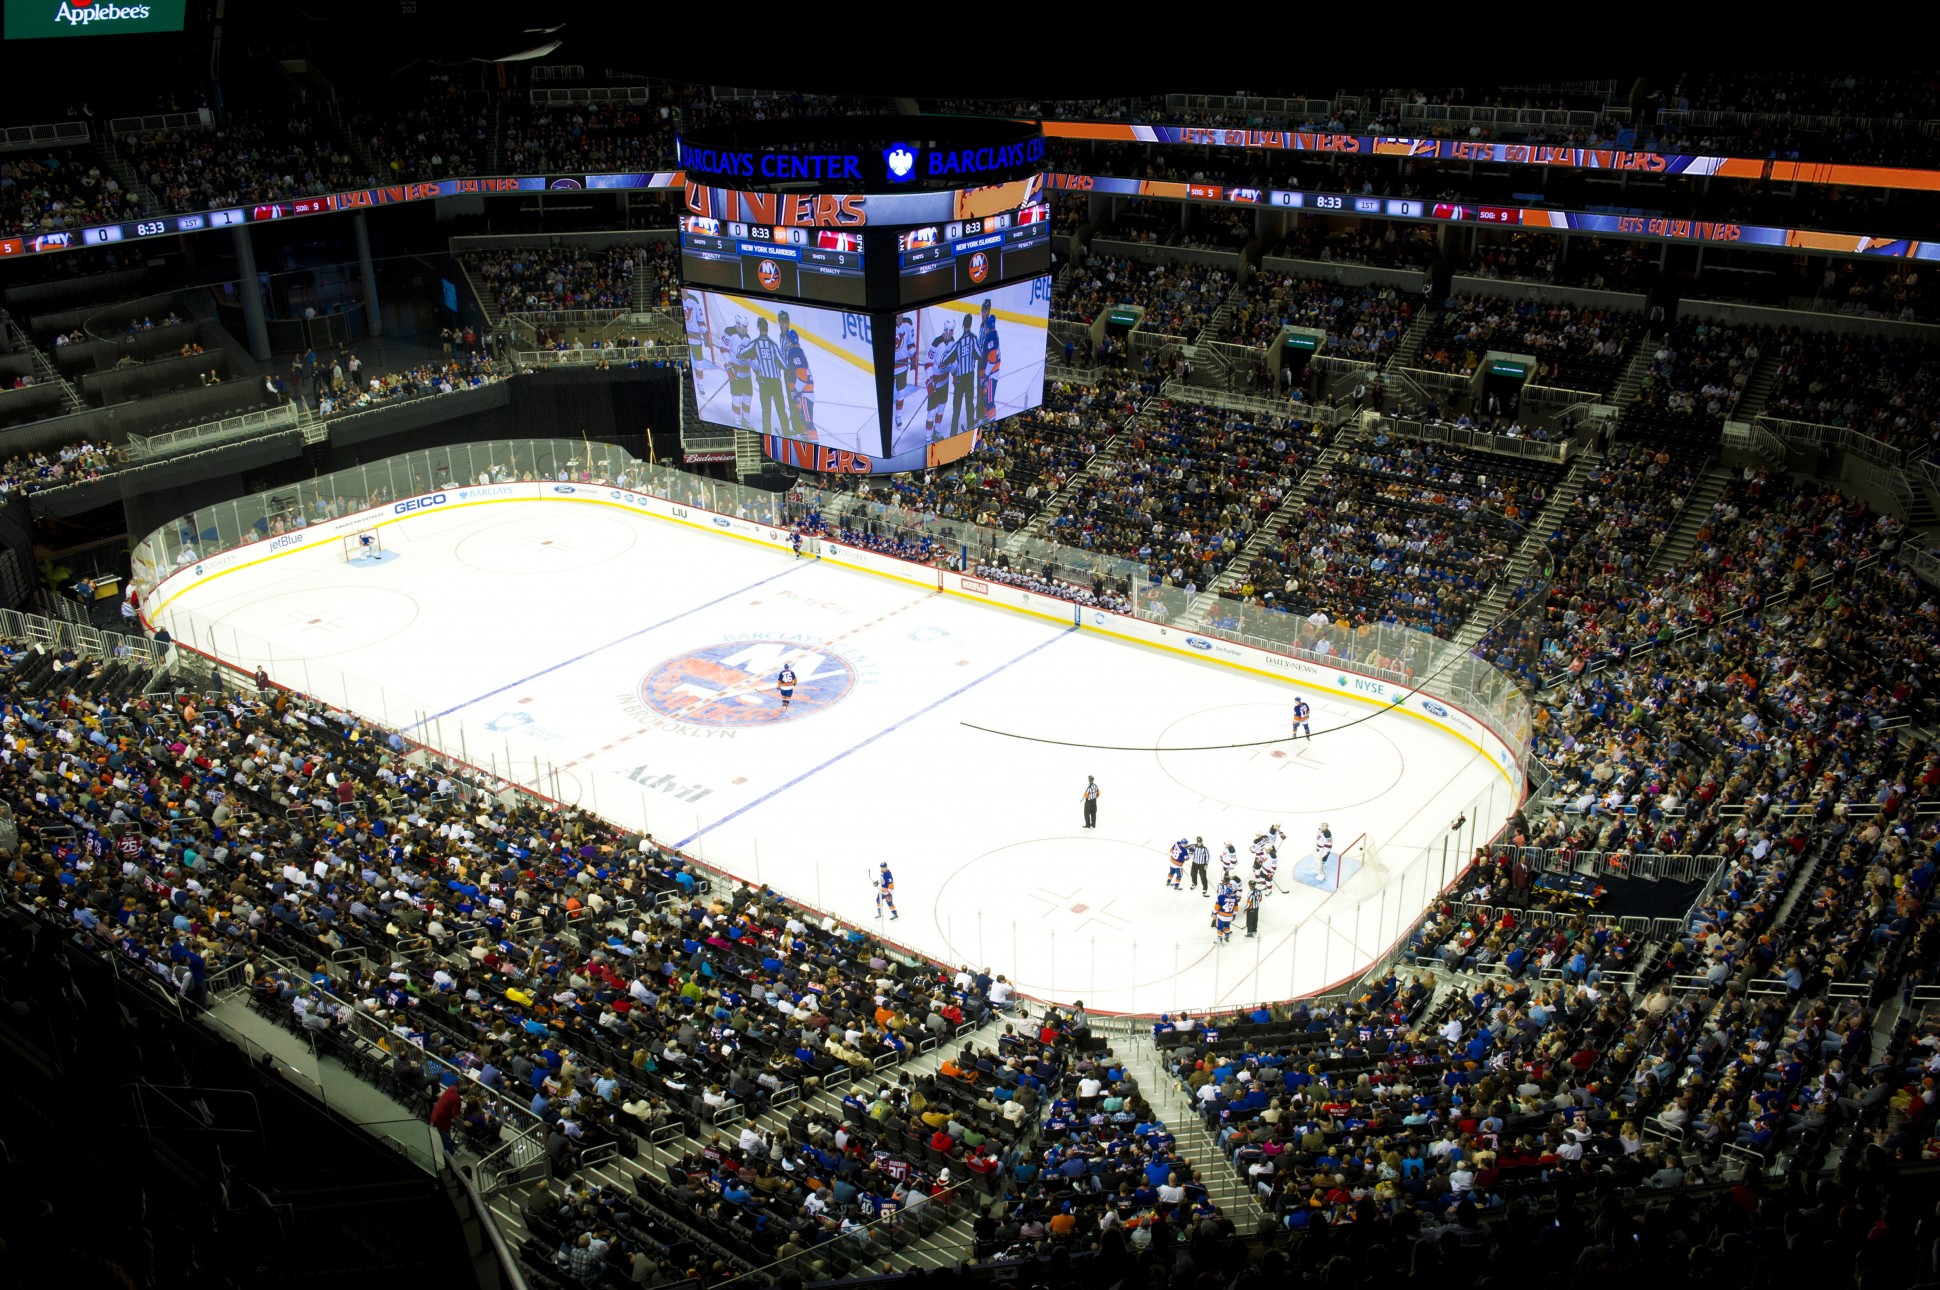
[
  {"x": 733, "y": 683},
  {"x": 979, "y": 267},
  {"x": 768, "y": 274}
]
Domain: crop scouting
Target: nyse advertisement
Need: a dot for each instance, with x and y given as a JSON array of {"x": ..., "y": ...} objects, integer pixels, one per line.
[
  {"x": 1512, "y": 154},
  {"x": 41, "y": 19},
  {"x": 784, "y": 369},
  {"x": 1633, "y": 226}
]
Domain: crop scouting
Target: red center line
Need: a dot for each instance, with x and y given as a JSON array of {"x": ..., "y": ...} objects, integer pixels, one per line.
[{"x": 754, "y": 683}]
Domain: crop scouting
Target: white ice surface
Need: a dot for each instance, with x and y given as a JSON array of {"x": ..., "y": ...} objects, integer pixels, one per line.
[{"x": 518, "y": 636}]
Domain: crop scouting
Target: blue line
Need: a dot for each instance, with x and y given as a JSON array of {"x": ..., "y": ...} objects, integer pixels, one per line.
[
  {"x": 794, "y": 568},
  {"x": 890, "y": 729}
]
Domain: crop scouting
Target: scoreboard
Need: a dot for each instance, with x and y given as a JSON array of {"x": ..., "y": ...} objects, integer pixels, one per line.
[
  {"x": 958, "y": 257},
  {"x": 821, "y": 264}
]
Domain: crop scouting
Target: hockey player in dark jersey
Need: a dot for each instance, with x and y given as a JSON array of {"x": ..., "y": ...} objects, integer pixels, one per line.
[
  {"x": 993, "y": 361},
  {"x": 803, "y": 383}
]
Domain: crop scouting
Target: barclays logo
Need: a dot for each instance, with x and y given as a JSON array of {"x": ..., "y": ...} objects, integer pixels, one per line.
[
  {"x": 1433, "y": 709},
  {"x": 1198, "y": 642}
]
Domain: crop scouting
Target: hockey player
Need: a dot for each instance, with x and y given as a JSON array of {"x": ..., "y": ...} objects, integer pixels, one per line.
[
  {"x": 803, "y": 383},
  {"x": 1302, "y": 729},
  {"x": 1228, "y": 864},
  {"x": 937, "y": 363},
  {"x": 993, "y": 360},
  {"x": 886, "y": 892},
  {"x": 694, "y": 321},
  {"x": 795, "y": 541},
  {"x": 905, "y": 362},
  {"x": 1267, "y": 870},
  {"x": 1201, "y": 857},
  {"x": 1176, "y": 864},
  {"x": 1261, "y": 845},
  {"x": 1324, "y": 846},
  {"x": 1264, "y": 855},
  {"x": 1224, "y": 907},
  {"x": 785, "y": 683},
  {"x": 740, "y": 373}
]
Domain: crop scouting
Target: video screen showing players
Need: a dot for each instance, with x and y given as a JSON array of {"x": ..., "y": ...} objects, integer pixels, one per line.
[
  {"x": 785, "y": 369},
  {"x": 964, "y": 363}
]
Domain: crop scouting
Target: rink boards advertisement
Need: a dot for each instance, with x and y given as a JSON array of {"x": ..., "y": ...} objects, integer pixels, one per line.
[{"x": 1336, "y": 680}]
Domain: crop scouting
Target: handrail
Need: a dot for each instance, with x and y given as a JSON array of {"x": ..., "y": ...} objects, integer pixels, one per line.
[{"x": 508, "y": 1261}]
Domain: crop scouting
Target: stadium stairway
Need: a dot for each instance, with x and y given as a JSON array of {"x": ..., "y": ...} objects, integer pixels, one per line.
[
  {"x": 1144, "y": 1063},
  {"x": 1690, "y": 517},
  {"x": 125, "y": 174},
  {"x": 1408, "y": 349},
  {"x": 45, "y": 373},
  {"x": 1758, "y": 390},
  {"x": 1101, "y": 463},
  {"x": 1524, "y": 556},
  {"x": 1631, "y": 383}
]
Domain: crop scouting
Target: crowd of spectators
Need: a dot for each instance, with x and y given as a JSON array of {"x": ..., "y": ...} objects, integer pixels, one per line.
[
  {"x": 1399, "y": 531},
  {"x": 1020, "y": 463},
  {"x": 1598, "y": 550},
  {"x": 585, "y": 138},
  {"x": 1699, "y": 370},
  {"x": 1385, "y": 244},
  {"x": 1191, "y": 484},
  {"x": 1883, "y": 386},
  {"x": 29, "y": 472},
  {"x": 242, "y": 160},
  {"x": 1361, "y": 322},
  {"x": 434, "y": 376},
  {"x": 1865, "y": 288},
  {"x": 60, "y": 189},
  {"x": 1576, "y": 347},
  {"x": 440, "y": 132},
  {"x": 542, "y": 279},
  {"x": 1178, "y": 299}
]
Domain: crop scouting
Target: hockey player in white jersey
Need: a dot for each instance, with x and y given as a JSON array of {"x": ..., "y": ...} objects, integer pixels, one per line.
[
  {"x": 905, "y": 362},
  {"x": 1324, "y": 844},
  {"x": 1228, "y": 863},
  {"x": 1266, "y": 869},
  {"x": 937, "y": 378}
]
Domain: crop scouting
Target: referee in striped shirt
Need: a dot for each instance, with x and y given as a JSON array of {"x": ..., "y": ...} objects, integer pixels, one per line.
[
  {"x": 765, "y": 357},
  {"x": 966, "y": 366}
]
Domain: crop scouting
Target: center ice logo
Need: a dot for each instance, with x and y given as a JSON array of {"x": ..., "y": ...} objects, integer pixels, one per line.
[{"x": 733, "y": 683}]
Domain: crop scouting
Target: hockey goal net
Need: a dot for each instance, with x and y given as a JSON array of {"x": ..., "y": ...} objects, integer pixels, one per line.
[
  {"x": 1361, "y": 871},
  {"x": 362, "y": 543}
]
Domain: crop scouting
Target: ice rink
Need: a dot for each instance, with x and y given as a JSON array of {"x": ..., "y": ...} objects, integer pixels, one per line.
[{"x": 626, "y": 662}]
